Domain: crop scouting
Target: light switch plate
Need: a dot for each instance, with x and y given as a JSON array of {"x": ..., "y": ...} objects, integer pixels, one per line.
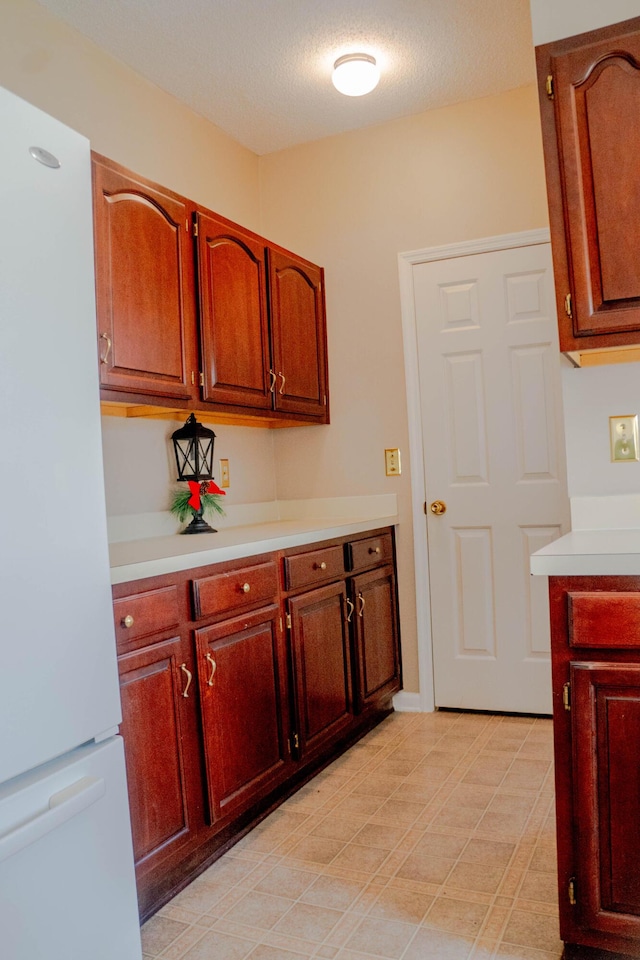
[
  {"x": 393, "y": 467},
  {"x": 224, "y": 473},
  {"x": 623, "y": 435}
]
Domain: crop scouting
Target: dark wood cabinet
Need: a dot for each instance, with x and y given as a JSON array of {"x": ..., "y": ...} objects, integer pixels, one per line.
[
  {"x": 239, "y": 680},
  {"x": 606, "y": 735},
  {"x": 298, "y": 335},
  {"x": 197, "y": 310},
  {"x": 375, "y": 623},
  {"x": 242, "y": 672},
  {"x": 144, "y": 283},
  {"x": 233, "y": 315},
  {"x": 162, "y": 772},
  {"x": 321, "y": 667},
  {"x": 596, "y": 679},
  {"x": 590, "y": 106}
]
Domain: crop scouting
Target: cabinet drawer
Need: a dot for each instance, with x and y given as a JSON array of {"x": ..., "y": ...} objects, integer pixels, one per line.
[
  {"x": 372, "y": 550},
  {"x": 313, "y": 567},
  {"x": 604, "y": 619},
  {"x": 222, "y": 592},
  {"x": 145, "y": 613}
]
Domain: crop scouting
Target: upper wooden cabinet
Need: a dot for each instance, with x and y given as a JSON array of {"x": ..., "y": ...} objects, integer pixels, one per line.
[
  {"x": 298, "y": 335},
  {"x": 590, "y": 105},
  {"x": 233, "y": 314},
  {"x": 144, "y": 285},
  {"x": 595, "y": 656},
  {"x": 195, "y": 308}
]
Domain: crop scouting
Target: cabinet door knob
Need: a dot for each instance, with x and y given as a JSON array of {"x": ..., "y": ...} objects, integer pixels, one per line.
[
  {"x": 213, "y": 666},
  {"x": 104, "y": 359},
  {"x": 128, "y": 621},
  {"x": 246, "y": 587},
  {"x": 374, "y": 549},
  {"x": 351, "y": 607},
  {"x": 188, "y": 675},
  {"x": 321, "y": 566}
]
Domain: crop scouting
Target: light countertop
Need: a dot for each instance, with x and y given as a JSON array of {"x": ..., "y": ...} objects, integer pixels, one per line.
[
  {"x": 590, "y": 553},
  {"x": 156, "y": 555}
]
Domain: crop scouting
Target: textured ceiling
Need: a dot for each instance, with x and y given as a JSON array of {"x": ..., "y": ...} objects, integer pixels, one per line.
[{"x": 260, "y": 69}]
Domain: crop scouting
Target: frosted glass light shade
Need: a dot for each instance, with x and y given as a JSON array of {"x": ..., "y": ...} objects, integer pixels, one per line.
[{"x": 355, "y": 74}]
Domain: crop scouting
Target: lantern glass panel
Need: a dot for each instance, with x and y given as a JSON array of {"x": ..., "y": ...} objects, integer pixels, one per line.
[{"x": 193, "y": 446}]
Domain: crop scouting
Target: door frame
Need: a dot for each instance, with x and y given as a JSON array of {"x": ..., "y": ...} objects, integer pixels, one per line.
[{"x": 424, "y": 701}]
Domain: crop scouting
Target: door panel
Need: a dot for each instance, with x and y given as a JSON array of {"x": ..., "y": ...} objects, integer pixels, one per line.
[
  {"x": 154, "y": 741},
  {"x": 144, "y": 285},
  {"x": 233, "y": 314},
  {"x": 597, "y": 112},
  {"x": 376, "y": 636},
  {"x": 322, "y": 666},
  {"x": 298, "y": 334},
  {"x": 605, "y": 725},
  {"x": 243, "y": 690},
  {"x": 493, "y": 446}
]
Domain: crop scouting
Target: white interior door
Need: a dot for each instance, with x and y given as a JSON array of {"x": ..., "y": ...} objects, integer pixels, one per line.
[{"x": 489, "y": 371}]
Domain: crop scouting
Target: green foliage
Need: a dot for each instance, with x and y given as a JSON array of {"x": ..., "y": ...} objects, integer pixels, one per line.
[{"x": 180, "y": 507}]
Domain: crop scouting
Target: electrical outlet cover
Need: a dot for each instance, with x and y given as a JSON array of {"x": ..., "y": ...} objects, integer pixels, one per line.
[
  {"x": 393, "y": 467},
  {"x": 623, "y": 434}
]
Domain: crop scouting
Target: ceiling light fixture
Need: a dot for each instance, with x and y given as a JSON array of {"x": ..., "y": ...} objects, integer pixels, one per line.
[{"x": 355, "y": 74}]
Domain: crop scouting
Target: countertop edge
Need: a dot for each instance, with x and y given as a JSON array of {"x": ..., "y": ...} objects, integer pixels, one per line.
[
  {"x": 313, "y": 532},
  {"x": 614, "y": 552},
  {"x": 603, "y": 565}
]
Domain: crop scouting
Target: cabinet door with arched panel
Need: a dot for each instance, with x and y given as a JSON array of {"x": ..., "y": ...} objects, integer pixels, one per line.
[
  {"x": 233, "y": 314},
  {"x": 144, "y": 285},
  {"x": 298, "y": 335}
]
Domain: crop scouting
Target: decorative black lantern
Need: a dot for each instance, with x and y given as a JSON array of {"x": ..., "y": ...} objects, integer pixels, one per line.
[{"x": 193, "y": 447}]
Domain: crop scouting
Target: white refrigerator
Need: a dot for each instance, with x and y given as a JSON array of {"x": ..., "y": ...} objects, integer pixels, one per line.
[{"x": 67, "y": 885}]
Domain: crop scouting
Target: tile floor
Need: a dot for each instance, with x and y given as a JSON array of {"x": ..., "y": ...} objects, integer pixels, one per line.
[{"x": 431, "y": 838}]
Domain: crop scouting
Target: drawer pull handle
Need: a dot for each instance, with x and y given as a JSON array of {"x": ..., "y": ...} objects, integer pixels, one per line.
[
  {"x": 188, "y": 675},
  {"x": 105, "y": 359},
  {"x": 213, "y": 665},
  {"x": 374, "y": 549},
  {"x": 128, "y": 621},
  {"x": 361, "y": 608},
  {"x": 320, "y": 566},
  {"x": 281, "y": 390},
  {"x": 272, "y": 385},
  {"x": 246, "y": 587},
  {"x": 351, "y": 606}
]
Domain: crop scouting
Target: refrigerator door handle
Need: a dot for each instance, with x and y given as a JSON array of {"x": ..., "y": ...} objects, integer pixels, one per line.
[{"x": 62, "y": 806}]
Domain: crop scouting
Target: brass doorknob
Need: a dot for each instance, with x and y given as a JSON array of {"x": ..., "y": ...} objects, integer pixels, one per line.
[{"x": 438, "y": 507}]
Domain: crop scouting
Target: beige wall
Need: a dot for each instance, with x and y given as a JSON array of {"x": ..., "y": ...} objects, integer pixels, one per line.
[
  {"x": 128, "y": 119},
  {"x": 352, "y": 203},
  {"x": 553, "y": 19},
  {"x": 124, "y": 116}
]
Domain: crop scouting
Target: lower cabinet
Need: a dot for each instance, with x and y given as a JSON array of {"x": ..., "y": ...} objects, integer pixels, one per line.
[
  {"x": 162, "y": 772},
  {"x": 321, "y": 667},
  {"x": 596, "y": 667},
  {"x": 377, "y": 651},
  {"x": 245, "y": 710},
  {"x": 238, "y": 682},
  {"x": 606, "y": 733}
]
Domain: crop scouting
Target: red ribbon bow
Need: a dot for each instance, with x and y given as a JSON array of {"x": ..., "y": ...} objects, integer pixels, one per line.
[{"x": 197, "y": 489}]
